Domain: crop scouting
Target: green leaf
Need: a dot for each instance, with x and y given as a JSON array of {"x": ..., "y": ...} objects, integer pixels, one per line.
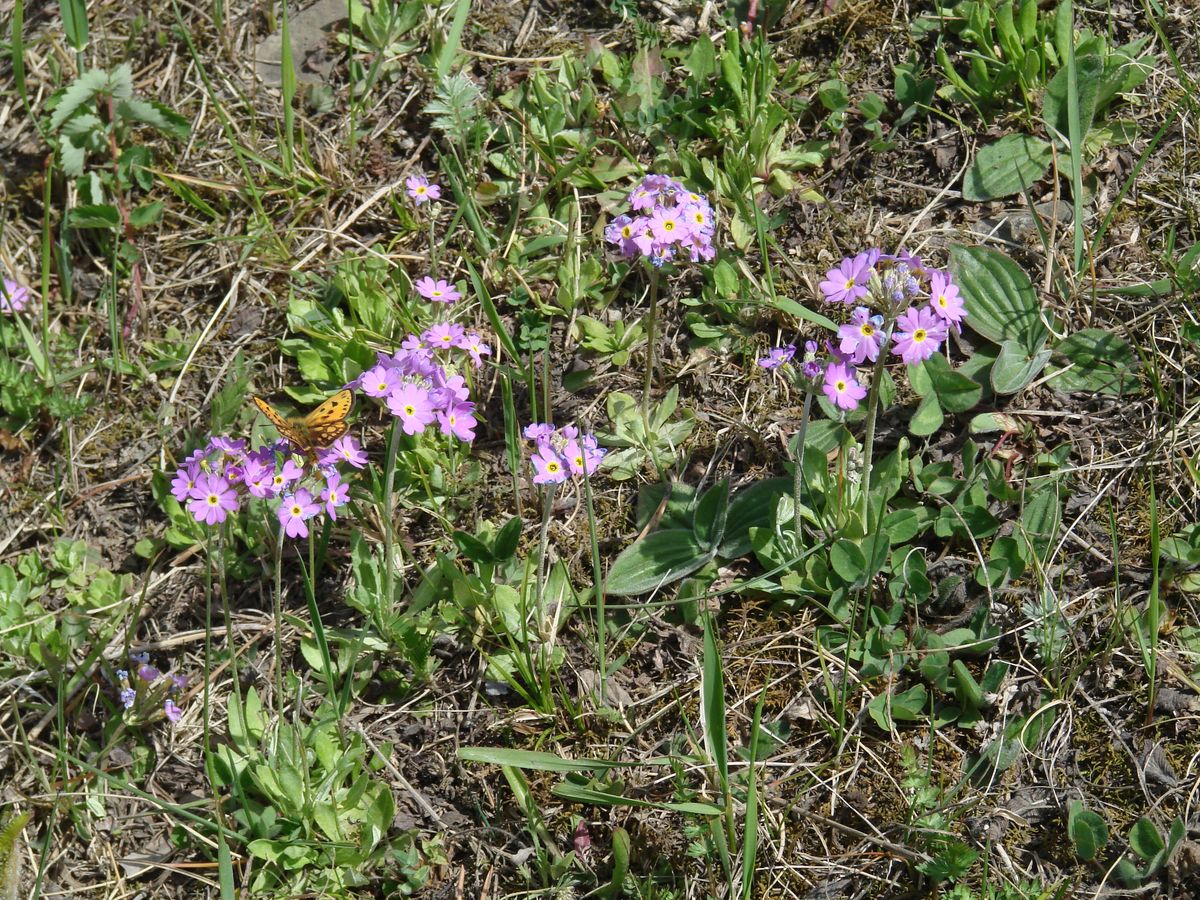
[
  {"x": 955, "y": 392},
  {"x": 1008, "y": 166},
  {"x": 928, "y": 418},
  {"x": 95, "y": 216},
  {"x": 887, "y": 709},
  {"x": 1098, "y": 362},
  {"x": 1145, "y": 839},
  {"x": 1014, "y": 369},
  {"x": 75, "y": 22},
  {"x": 577, "y": 793},
  {"x": 712, "y": 704},
  {"x": 1087, "y": 831},
  {"x": 473, "y": 548},
  {"x": 157, "y": 116},
  {"x": 751, "y": 507},
  {"x": 709, "y": 523},
  {"x": 847, "y": 560},
  {"x": 1089, "y": 71},
  {"x": 505, "y": 545},
  {"x": 999, "y": 297},
  {"x": 77, "y": 94},
  {"x": 533, "y": 759},
  {"x": 146, "y": 214},
  {"x": 656, "y": 560}
]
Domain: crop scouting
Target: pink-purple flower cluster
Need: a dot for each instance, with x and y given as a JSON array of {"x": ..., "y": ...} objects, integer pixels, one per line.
[
  {"x": 833, "y": 373},
  {"x": 149, "y": 684},
  {"x": 420, "y": 385},
  {"x": 913, "y": 305},
  {"x": 909, "y": 308},
  {"x": 668, "y": 219},
  {"x": 562, "y": 452},
  {"x": 216, "y": 479},
  {"x": 438, "y": 291},
  {"x": 13, "y": 297}
]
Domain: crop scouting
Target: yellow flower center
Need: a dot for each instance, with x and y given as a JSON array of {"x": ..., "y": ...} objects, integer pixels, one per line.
[
  {"x": 840, "y": 386},
  {"x": 919, "y": 335},
  {"x": 867, "y": 330}
]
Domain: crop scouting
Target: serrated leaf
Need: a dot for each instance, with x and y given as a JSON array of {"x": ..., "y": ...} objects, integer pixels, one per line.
[
  {"x": 157, "y": 116},
  {"x": 78, "y": 93},
  {"x": 1006, "y": 167},
  {"x": 94, "y": 216},
  {"x": 146, "y": 214}
]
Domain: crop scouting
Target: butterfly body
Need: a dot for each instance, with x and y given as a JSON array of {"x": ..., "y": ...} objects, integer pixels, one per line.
[{"x": 318, "y": 429}]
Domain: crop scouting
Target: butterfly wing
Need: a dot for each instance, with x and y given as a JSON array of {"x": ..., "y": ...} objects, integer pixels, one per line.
[
  {"x": 286, "y": 429},
  {"x": 327, "y": 422}
]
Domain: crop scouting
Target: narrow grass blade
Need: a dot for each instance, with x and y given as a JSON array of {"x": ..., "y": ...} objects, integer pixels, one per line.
[{"x": 453, "y": 39}]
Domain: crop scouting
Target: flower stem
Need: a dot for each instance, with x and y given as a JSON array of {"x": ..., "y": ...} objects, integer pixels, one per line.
[
  {"x": 798, "y": 475},
  {"x": 597, "y": 585},
  {"x": 869, "y": 433},
  {"x": 651, "y": 341},
  {"x": 389, "y": 476}
]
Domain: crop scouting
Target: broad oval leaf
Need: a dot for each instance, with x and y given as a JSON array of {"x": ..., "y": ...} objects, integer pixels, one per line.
[
  {"x": 1013, "y": 369},
  {"x": 1006, "y": 167},
  {"x": 1000, "y": 300},
  {"x": 656, "y": 560}
]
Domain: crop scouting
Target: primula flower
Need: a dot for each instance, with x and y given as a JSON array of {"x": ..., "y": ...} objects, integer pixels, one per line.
[
  {"x": 474, "y": 345},
  {"x": 672, "y": 219},
  {"x": 411, "y": 405},
  {"x": 335, "y": 494},
  {"x": 538, "y": 432},
  {"x": 445, "y": 335},
  {"x": 259, "y": 479},
  {"x": 345, "y": 449},
  {"x": 919, "y": 333},
  {"x": 944, "y": 299},
  {"x": 458, "y": 420},
  {"x": 582, "y": 455},
  {"x": 185, "y": 481},
  {"x": 13, "y": 297},
  {"x": 178, "y": 682},
  {"x": 861, "y": 337},
  {"x": 848, "y": 282},
  {"x": 421, "y": 189},
  {"x": 668, "y": 226},
  {"x": 379, "y": 380},
  {"x": 841, "y": 387},
  {"x": 212, "y": 499},
  {"x": 438, "y": 291},
  {"x": 171, "y": 711},
  {"x": 777, "y": 357},
  {"x": 148, "y": 673},
  {"x": 295, "y": 510},
  {"x": 547, "y": 467},
  {"x": 289, "y": 473}
]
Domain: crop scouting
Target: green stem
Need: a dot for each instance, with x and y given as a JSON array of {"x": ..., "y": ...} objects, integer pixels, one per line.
[
  {"x": 597, "y": 585},
  {"x": 650, "y": 344},
  {"x": 869, "y": 434},
  {"x": 389, "y": 477},
  {"x": 543, "y": 546},
  {"x": 278, "y": 613},
  {"x": 798, "y": 475}
]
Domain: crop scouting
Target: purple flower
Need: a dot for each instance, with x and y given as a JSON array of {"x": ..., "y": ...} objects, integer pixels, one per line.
[
  {"x": 474, "y": 345},
  {"x": 421, "y": 189},
  {"x": 861, "y": 337},
  {"x": 335, "y": 494},
  {"x": 945, "y": 300},
  {"x": 444, "y": 335},
  {"x": 141, "y": 657},
  {"x": 259, "y": 478},
  {"x": 178, "y": 682},
  {"x": 841, "y": 387},
  {"x": 848, "y": 282},
  {"x": 128, "y": 695},
  {"x": 290, "y": 472},
  {"x": 538, "y": 432},
  {"x": 411, "y": 404},
  {"x": 583, "y": 455},
  {"x": 13, "y": 297},
  {"x": 698, "y": 217},
  {"x": 345, "y": 449},
  {"x": 380, "y": 380},
  {"x": 458, "y": 420},
  {"x": 295, "y": 510},
  {"x": 171, "y": 711},
  {"x": 668, "y": 226},
  {"x": 185, "y": 481},
  {"x": 919, "y": 333},
  {"x": 438, "y": 291},
  {"x": 777, "y": 357},
  {"x": 148, "y": 673},
  {"x": 547, "y": 467},
  {"x": 212, "y": 499}
]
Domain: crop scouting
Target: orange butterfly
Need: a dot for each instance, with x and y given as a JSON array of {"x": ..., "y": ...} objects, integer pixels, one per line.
[{"x": 318, "y": 429}]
